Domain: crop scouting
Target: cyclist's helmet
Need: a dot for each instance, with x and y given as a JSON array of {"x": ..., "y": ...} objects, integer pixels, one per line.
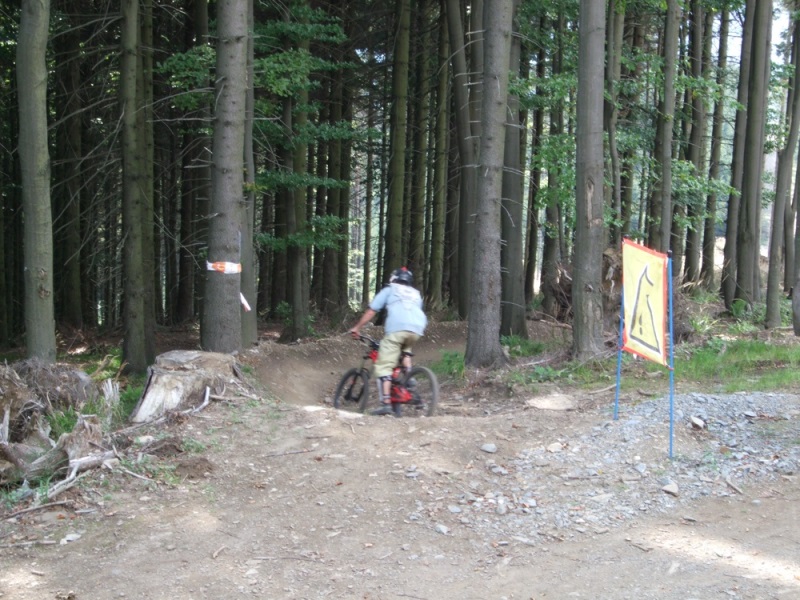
[{"x": 402, "y": 275}]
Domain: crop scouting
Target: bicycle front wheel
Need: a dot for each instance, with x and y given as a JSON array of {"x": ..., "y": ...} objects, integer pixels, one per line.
[
  {"x": 352, "y": 391},
  {"x": 424, "y": 388}
]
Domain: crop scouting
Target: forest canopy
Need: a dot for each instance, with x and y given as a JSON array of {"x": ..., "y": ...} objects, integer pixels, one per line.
[{"x": 318, "y": 145}]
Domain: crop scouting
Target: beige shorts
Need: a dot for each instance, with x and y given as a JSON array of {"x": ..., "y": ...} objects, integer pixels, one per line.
[{"x": 389, "y": 352}]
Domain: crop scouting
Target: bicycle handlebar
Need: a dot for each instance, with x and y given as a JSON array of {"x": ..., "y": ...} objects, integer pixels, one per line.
[{"x": 366, "y": 338}]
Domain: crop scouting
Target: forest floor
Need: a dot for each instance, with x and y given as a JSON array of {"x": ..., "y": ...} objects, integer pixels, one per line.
[{"x": 505, "y": 493}]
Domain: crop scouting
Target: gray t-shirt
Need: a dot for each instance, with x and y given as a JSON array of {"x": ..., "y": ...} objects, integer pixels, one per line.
[{"x": 403, "y": 305}]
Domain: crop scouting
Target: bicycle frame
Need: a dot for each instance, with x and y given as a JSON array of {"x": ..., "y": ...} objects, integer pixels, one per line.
[{"x": 399, "y": 393}]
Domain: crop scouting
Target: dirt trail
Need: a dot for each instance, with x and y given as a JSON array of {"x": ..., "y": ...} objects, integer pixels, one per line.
[{"x": 288, "y": 498}]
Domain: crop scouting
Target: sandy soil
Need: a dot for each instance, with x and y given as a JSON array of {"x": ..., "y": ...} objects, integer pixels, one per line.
[{"x": 287, "y": 498}]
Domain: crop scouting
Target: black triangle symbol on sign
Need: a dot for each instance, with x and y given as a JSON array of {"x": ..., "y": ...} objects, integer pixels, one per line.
[{"x": 643, "y": 327}]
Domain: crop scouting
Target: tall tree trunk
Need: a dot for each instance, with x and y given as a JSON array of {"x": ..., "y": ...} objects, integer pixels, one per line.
[
  {"x": 438, "y": 219},
  {"x": 40, "y": 331},
  {"x": 661, "y": 240},
  {"x": 68, "y": 253},
  {"x": 345, "y": 175},
  {"x": 483, "y": 338},
  {"x": 249, "y": 316},
  {"x": 321, "y": 155},
  {"x": 297, "y": 225},
  {"x": 534, "y": 185},
  {"x": 614, "y": 30},
  {"x": 512, "y": 315},
  {"x": 587, "y": 289},
  {"x": 134, "y": 345},
  {"x": 784, "y": 179},
  {"x": 731, "y": 250},
  {"x": 749, "y": 235},
  {"x": 393, "y": 256},
  {"x": 700, "y": 49},
  {"x": 633, "y": 30},
  {"x": 144, "y": 124},
  {"x": 221, "y": 329},
  {"x": 195, "y": 187},
  {"x": 551, "y": 249},
  {"x": 468, "y": 154},
  {"x": 332, "y": 256},
  {"x": 710, "y": 223},
  {"x": 416, "y": 242}
]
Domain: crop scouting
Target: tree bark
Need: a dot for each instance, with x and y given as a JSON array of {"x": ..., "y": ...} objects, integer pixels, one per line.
[
  {"x": 483, "y": 338},
  {"x": 784, "y": 178},
  {"x": 710, "y": 224},
  {"x": 666, "y": 116},
  {"x": 34, "y": 155},
  {"x": 438, "y": 221},
  {"x": 587, "y": 290},
  {"x": 700, "y": 48},
  {"x": 134, "y": 345},
  {"x": 534, "y": 185},
  {"x": 393, "y": 256},
  {"x": 616, "y": 23},
  {"x": 248, "y": 278},
  {"x": 749, "y": 234},
  {"x": 731, "y": 250},
  {"x": 221, "y": 329},
  {"x": 468, "y": 153},
  {"x": 416, "y": 240},
  {"x": 512, "y": 315},
  {"x": 70, "y": 174},
  {"x": 297, "y": 224}
]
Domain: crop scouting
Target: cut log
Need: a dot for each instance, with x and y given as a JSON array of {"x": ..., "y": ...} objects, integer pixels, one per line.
[
  {"x": 179, "y": 379},
  {"x": 33, "y": 463}
]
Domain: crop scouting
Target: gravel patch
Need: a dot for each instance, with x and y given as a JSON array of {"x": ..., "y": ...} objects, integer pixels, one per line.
[{"x": 586, "y": 481}]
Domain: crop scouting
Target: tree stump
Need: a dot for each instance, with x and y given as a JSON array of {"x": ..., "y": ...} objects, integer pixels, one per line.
[{"x": 179, "y": 378}]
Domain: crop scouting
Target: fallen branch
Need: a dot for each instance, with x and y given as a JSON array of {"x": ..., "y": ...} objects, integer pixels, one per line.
[
  {"x": 4, "y": 425},
  {"x": 287, "y": 453},
  {"x": 201, "y": 406},
  {"x": 239, "y": 395},
  {"x": 35, "y": 508},
  {"x": 64, "y": 485},
  {"x": 733, "y": 486},
  {"x": 75, "y": 466},
  {"x": 605, "y": 389},
  {"x": 31, "y": 543},
  {"x": 132, "y": 474}
]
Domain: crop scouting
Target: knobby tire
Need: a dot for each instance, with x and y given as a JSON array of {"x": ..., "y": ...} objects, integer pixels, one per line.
[
  {"x": 353, "y": 390},
  {"x": 426, "y": 390}
]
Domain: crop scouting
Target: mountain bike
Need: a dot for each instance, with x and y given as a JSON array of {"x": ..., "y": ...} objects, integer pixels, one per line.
[{"x": 414, "y": 393}]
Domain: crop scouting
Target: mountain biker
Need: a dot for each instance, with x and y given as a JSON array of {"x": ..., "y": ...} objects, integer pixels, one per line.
[{"x": 405, "y": 324}]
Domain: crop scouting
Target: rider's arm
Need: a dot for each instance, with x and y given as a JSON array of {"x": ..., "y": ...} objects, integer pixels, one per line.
[{"x": 365, "y": 318}]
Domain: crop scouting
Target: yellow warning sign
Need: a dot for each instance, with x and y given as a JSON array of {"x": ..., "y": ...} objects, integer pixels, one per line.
[{"x": 644, "y": 291}]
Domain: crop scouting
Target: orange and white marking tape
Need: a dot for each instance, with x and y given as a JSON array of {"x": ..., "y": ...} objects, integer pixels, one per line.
[{"x": 227, "y": 268}]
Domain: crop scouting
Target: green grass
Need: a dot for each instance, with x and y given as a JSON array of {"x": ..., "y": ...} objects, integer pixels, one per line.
[
  {"x": 192, "y": 446},
  {"x": 721, "y": 364},
  {"x": 736, "y": 364},
  {"x": 518, "y": 347},
  {"x": 451, "y": 365},
  {"x": 63, "y": 421}
]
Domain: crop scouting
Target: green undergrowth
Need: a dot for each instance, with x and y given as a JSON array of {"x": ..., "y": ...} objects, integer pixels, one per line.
[{"x": 718, "y": 361}]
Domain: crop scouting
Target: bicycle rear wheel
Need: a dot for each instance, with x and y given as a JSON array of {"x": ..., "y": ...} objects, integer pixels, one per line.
[
  {"x": 352, "y": 391},
  {"x": 424, "y": 388}
]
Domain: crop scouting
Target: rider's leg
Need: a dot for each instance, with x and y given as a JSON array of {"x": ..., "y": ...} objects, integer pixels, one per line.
[
  {"x": 409, "y": 339},
  {"x": 384, "y": 395}
]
